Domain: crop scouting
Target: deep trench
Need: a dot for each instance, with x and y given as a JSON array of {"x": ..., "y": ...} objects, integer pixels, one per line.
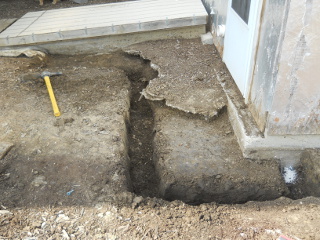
[{"x": 143, "y": 176}]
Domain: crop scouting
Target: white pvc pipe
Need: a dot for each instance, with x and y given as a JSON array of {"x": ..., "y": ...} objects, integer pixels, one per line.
[{"x": 221, "y": 29}]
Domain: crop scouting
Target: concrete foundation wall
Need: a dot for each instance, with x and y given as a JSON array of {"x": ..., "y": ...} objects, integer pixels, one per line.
[
  {"x": 284, "y": 95},
  {"x": 217, "y": 10},
  {"x": 296, "y": 104},
  {"x": 274, "y": 14}
]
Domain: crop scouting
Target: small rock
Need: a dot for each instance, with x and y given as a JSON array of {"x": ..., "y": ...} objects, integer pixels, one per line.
[
  {"x": 243, "y": 235},
  {"x": 99, "y": 236},
  {"x": 38, "y": 181},
  {"x": 4, "y": 176},
  {"x": 109, "y": 236},
  {"x": 30, "y": 77},
  {"x": 36, "y": 224},
  {"x": 26, "y": 229},
  {"x": 96, "y": 188},
  {"x": 5, "y": 212},
  {"x": 136, "y": 201},
  {"x": 65, "y": 235},
  {"x": 30, "y": 238},
  {"x": 68, "y": 120},
  {"x": 115, "y": 138},
  {"x": 203, "y": 207},
  {"x": 63, "y": 121},
  {"x": 62, "y": 218},
  {"x": 143, "y": 80},
  {"x": 205, "y": 217},
  {"x": 43, "y": 224},
  {"x": 100, "y": 215}
]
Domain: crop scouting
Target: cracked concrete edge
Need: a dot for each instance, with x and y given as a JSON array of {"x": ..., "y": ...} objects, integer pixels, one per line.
[
  {"x": 150, "y": 96},
  {"x": 5, "y": 147},
  {"x": 192, "y": 110},
  {"x": 153, "y": 65},
  {"x": 241, "y": 119},
  {"x": 147, "y": 94}
]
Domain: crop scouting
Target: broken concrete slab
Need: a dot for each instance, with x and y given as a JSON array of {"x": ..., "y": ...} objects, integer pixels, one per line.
[
  {"x": 207, "y": 38},
  {"x": 4, "y": 149},
  {"x": 26, "y": 51},
  {"x": 179, "y": 85},
  {"x": 202, "y": 162}
]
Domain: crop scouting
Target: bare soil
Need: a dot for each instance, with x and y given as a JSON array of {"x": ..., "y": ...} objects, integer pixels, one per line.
[
  {"x": 17, "y": 8},
  {"x": 94, "y": 97}
]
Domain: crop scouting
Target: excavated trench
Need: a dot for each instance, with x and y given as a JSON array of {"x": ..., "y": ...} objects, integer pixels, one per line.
[
  {"x": 172, "y": 154},
  {"x": 147, "y": 148},
  {"x": 145, "y": 161},
  {"x": 140, "y": 134}
]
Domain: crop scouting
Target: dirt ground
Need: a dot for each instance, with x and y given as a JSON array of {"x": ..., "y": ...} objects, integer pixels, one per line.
[
  {"x": 77, "y": 188},
  {"x": 17, "y": 8}
]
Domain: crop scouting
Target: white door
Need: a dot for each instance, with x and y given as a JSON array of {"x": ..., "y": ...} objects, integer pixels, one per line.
[{"x": 240, "y": 40}]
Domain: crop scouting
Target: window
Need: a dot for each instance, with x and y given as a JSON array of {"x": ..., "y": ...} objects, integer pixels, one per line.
[{"x": 242, "y": 8}]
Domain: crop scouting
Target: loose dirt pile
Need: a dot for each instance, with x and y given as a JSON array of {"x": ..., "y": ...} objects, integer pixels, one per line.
[{"x": 154, "y": 219}]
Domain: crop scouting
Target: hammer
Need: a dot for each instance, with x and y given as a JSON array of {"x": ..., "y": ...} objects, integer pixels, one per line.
[{"x": 46, "y": 76}]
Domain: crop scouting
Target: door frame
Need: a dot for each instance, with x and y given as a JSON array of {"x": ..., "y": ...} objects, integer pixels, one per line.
[{"x": 254, "y": 23}]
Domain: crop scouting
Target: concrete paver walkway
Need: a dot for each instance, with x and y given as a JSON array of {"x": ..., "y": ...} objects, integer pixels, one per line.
[
  {"x": 102, "y": 20},
  {"x": 4, "y": 23}
]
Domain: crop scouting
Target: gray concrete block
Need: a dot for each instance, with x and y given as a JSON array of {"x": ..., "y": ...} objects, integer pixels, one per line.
[{"x": 207, "y": 39}]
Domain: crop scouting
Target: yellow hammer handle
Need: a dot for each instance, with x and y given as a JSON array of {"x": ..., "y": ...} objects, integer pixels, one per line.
[{"x": 56, "y": 110}]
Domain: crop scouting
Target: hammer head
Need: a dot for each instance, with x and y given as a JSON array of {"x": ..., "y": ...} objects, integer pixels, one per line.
[{"x": 50, "y": 74}]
